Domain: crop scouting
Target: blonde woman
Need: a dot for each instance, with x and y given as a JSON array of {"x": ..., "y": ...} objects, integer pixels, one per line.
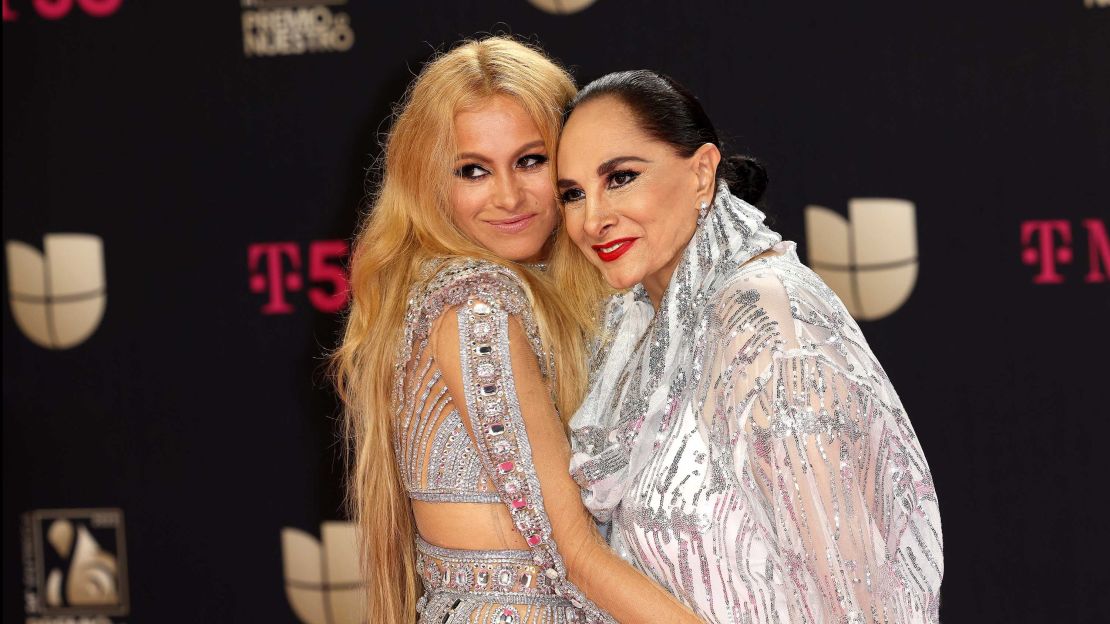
[{"x": 460, "y": 356}]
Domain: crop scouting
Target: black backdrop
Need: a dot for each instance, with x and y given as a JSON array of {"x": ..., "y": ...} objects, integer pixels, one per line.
[{"x": 197, "y": 412}]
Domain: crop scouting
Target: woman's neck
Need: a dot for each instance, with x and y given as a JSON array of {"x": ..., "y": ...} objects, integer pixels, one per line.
[{"x": 656, "y": 283}]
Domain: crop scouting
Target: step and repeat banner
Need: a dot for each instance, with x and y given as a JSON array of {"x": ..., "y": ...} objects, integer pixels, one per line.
[{"x": 180, "y": 186}]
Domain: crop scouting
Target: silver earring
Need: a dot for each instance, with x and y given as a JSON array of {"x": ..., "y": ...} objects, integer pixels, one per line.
[{"x": 703, "y": 208}]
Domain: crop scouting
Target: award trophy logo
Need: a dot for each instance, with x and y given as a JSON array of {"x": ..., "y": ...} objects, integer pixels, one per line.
[{"x": 75, "y": 563}]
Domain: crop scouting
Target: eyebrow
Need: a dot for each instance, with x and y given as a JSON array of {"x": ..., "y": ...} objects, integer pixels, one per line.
[
  {"x": 523, "y": 148},
  {"x": 604, "y": 169},
  {"x": 610, "y": 165}
]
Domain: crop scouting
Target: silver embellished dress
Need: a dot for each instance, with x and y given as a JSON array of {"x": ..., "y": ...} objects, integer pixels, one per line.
[
  {"x": 440, "y": 461},
  {"x": 749, "y": 451}
]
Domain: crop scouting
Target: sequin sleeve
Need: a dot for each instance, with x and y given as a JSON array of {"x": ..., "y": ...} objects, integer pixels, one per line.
[
  {"x": 849, "y": 494},
  {"x": 495, "y": 413}
]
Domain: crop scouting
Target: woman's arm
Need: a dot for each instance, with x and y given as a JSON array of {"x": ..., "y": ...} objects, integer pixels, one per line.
[
  {"x": 487, "y": 358},
  {"x": 841, "y": 473},
  {"x": 805, "y": 437}
]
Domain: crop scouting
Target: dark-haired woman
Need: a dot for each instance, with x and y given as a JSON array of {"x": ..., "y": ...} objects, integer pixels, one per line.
[{"x": 749, "y": 450}]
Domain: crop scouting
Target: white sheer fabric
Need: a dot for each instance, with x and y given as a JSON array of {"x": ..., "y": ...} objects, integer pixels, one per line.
[{"x": 750, "y": 451}]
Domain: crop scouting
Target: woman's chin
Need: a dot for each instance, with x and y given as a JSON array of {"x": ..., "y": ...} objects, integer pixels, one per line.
[
  {"x": 533, "y": 251},
  {"x": 620, "y": 280}
]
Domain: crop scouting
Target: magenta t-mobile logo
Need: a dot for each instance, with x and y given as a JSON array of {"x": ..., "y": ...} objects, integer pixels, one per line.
[
  {"x": 57, "y": 9},
  {"x": 276, "y": 270},
  {"x": 1048, "y": 245}
]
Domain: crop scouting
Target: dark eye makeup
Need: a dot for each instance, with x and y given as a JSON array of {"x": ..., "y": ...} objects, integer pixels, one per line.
[
  {"x": 614, "y": 180},
  {"x": 618, "y": 179},
  {"x": 471, "y": 171},
  {"x": 474, "y": 171},
  {"x": 571, "y": 195},
  {"x": 531, "y": 161}
]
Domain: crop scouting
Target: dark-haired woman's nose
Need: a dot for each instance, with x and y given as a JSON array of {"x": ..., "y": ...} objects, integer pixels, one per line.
[{"x": 599, "y": 219}]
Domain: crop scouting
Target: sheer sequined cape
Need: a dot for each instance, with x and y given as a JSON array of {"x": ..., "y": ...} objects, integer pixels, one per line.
[
  {"x": 749, "y": 450},
  {"x": 474, "y": 448}
]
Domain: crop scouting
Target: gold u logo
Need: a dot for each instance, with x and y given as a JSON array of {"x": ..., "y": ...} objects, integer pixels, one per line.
[
  {"x": 322, "y": 581},
  {"x": 57, "y": 296},
  {"x": 561, "y": 7},
  {"x": 869, "y": 259}
]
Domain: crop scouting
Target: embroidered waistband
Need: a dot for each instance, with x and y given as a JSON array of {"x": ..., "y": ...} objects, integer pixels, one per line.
[{"x": 481, "y": 571}]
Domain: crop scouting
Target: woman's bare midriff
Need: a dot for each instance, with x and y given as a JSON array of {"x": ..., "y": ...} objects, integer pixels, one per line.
[{"x": 467, "y": 526}]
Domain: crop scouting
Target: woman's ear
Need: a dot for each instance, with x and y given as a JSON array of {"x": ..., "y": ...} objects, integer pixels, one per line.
[{"x": 704, "y": 162}]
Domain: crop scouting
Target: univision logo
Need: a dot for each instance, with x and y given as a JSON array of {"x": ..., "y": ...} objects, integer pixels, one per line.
[
  {"x": 58, "y": 295},
  {"x": 561, "y": 7},
  {"x": 870, "y": 258},
  {"x": 322, "y": 581}
]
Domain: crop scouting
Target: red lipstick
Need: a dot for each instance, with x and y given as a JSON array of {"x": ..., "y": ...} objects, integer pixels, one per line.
[{"x": 613, "y": 249}]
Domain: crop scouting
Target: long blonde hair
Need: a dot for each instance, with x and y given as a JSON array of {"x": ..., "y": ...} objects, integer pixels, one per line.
[{"x": 409, "y": 223}]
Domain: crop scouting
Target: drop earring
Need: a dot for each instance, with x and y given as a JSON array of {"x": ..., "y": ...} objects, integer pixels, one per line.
[{"x": 703, "y": 209}]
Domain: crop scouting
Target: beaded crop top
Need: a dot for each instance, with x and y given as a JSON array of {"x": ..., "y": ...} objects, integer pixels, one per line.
[{"x": 438, "y": 458}]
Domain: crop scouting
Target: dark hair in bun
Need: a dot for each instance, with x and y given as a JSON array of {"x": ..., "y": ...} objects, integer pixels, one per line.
[{"x": 671, "y": 114}]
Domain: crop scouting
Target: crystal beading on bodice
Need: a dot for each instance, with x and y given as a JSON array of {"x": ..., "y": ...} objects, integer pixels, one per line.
[{"x": 442, "y": 462}]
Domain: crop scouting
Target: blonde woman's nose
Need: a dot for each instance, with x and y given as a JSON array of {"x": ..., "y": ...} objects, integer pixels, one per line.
[{"x": 508, "y": 193}]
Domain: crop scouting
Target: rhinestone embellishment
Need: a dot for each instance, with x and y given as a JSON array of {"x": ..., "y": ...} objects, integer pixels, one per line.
[
  {"x": 498, "y": 463},
  {"x": 506, "y": 615}
]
